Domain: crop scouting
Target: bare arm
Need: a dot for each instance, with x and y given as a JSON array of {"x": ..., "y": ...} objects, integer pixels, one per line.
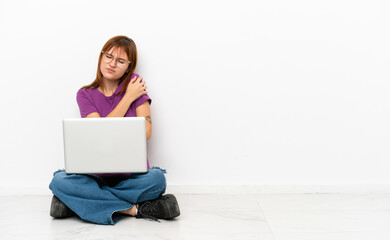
[
  {"x": 120, "y": 109},
  {"x": 144, "y": 111}
]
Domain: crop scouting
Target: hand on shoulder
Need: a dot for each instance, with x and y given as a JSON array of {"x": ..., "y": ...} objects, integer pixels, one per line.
[{"x": 136, "y": 88}]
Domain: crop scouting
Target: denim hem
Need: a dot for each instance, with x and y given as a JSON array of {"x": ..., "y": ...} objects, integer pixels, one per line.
[
  {"x": 112, "y": 221},
  {"x": 163, "y": 170}
]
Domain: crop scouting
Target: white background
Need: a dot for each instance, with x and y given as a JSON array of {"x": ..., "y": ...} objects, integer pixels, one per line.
[{"x": 256, "y": 93}]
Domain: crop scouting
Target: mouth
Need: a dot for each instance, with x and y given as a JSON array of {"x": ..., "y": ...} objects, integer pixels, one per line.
[{"x": 110, "y": 70}]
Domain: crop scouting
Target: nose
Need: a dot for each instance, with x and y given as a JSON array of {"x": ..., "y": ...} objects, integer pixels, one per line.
[{"x": 113, "y": 63}]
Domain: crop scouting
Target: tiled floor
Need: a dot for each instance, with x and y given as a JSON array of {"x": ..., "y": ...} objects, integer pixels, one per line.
[{"x": 268, "y": 216}]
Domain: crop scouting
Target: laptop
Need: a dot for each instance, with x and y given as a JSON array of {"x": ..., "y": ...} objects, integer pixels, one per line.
[{"x": 105, "y": 145}]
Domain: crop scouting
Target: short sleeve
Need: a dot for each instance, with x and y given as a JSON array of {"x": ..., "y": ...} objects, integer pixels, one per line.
[
  {"x": 85, "y": 104},
  {"x": 141, "y": 100}
]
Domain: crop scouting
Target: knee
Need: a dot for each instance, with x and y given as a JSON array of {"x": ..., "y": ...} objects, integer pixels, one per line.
[
  {"x": 58, "y": 179},
  {"x": 158, "y": 177},
  {"x": 62, "y": 181}
]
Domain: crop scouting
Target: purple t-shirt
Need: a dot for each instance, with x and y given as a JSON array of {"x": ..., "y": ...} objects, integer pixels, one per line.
[{"x": 92, "y": 100}]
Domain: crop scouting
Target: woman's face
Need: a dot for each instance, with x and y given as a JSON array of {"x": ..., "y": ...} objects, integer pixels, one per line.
[{"x": 114, "y": 64}]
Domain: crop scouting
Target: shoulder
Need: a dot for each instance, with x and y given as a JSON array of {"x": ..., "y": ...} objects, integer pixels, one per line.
[
  {"x": 122, "y": 83},
  {"x": 82, "y": 92},
  {"x": 85, "y": 93},
  {"x": 134, "y": 75},
  {"x": 141, "y": 100}
]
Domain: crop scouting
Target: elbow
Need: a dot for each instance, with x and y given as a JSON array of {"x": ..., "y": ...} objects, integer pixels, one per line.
[{"x": 148, "y": 133}]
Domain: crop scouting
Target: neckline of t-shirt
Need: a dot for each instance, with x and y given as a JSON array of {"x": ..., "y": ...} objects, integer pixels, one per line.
[
  {"x": 117, "y": 90},
  {"x": 105, "y": 95}
]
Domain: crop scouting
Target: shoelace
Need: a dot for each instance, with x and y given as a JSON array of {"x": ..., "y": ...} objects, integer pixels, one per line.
[{"x": 147, "y": 210}]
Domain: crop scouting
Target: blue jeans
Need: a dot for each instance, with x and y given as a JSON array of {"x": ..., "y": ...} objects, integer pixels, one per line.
[{"x": 98, "y": 199}]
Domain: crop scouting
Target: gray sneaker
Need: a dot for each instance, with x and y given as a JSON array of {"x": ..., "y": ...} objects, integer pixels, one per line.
[
  {"x": 164, "y": 207},
  {"x": 59, "y": 210}
]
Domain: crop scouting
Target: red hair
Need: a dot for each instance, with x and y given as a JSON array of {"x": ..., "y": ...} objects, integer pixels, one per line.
[{"x": 126, "y": 44}]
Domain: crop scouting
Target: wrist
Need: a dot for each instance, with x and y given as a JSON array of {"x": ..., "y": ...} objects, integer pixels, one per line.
[{"x": 129, "y": 97}]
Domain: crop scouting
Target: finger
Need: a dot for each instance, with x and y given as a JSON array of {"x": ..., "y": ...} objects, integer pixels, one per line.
[
  {"x": 133, "y": 79},
  {"x": 139, "y": 79}
]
